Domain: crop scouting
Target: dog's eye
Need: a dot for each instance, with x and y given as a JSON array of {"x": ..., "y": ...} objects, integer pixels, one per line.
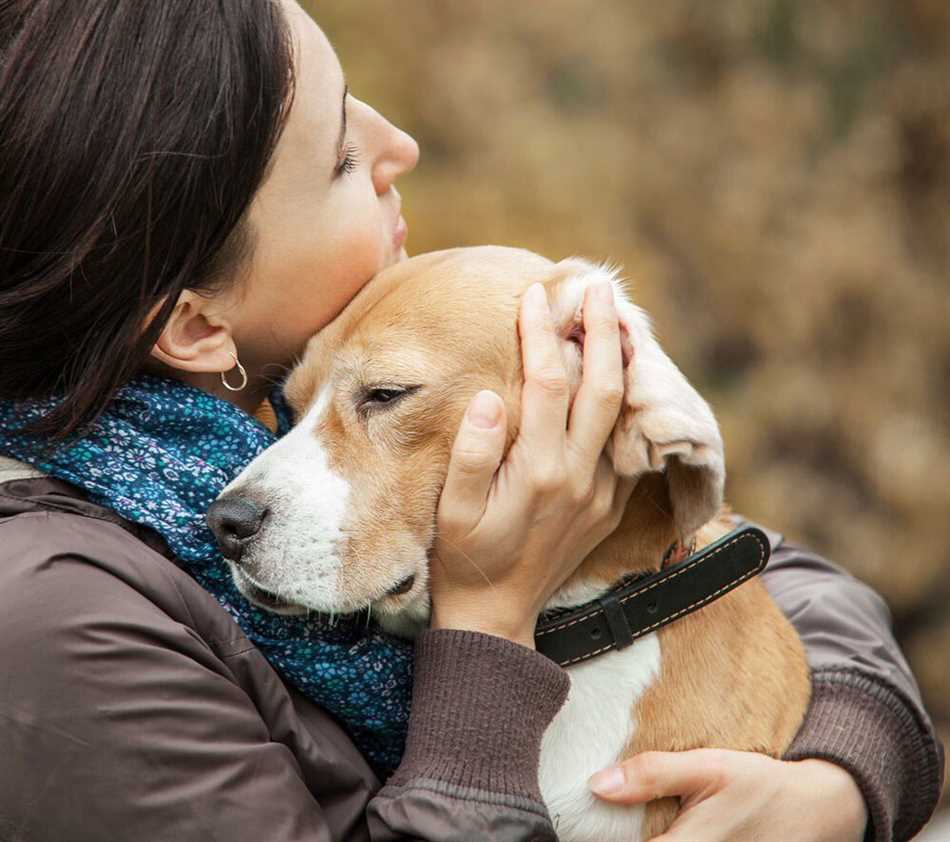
[{"x": 383, "y": 396}]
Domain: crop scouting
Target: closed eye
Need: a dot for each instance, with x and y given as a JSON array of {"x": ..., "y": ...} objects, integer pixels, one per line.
[{"x": 383, "y": 397}]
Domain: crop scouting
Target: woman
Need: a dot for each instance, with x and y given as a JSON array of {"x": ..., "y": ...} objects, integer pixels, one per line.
[{"x": 187, "y": 185}]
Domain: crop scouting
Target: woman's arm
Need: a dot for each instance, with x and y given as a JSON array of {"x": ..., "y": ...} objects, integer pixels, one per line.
[
  {"x": 866, "y": 731},
  {"x": 480, "y": 707},
  {"x": 120, "y": 719},
  {"x": 866, "y": 713}
]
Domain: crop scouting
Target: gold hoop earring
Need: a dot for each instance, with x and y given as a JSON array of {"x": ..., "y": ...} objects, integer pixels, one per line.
[{"x": 243, "y": 377}]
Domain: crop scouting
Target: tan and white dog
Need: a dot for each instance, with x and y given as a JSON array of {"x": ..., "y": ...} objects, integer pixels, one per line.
[{"x": 350, "y": 496}]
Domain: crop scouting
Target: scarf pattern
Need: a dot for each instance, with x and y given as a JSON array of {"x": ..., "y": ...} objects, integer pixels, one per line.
[{"x": 159, "y": 456}]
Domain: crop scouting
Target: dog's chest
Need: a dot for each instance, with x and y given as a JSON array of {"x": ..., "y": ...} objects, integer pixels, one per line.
[{"x": 592, "y": 728}]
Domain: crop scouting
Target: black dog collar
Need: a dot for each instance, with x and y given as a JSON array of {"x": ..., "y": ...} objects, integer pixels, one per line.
[{"x": 636, "y": 608}]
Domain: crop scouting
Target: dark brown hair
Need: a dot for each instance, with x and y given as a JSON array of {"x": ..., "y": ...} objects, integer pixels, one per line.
[{"x": 133, "y": 136}]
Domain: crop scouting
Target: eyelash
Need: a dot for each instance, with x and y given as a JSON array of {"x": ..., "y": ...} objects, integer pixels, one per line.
[{"x": 350, "y": 159}]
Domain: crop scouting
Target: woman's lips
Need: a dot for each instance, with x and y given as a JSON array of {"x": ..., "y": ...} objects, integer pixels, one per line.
[{"x": 399, "y": 235}]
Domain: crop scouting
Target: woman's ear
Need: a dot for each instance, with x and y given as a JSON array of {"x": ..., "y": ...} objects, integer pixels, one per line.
[{"x": 194, "y": 337}]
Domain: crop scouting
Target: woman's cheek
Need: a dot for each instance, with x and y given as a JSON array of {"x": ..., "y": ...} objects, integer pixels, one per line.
[{"x": 365, "y": 253}]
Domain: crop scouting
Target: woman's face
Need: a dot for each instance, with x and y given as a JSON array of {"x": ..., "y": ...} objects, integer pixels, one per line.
[{"x": 328, "y": 217}]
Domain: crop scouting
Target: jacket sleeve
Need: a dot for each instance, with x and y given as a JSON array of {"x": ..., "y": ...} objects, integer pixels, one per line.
[
  {"x": 480, "y": 706},
  {"x": 866, "y": 713},
  {"x": 119, "y": 722}
]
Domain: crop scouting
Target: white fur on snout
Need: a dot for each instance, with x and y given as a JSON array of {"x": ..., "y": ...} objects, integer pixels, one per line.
[{"x": 297, "y": 553}]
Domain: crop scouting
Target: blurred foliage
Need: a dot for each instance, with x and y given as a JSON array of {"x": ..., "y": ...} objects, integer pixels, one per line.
[{"x": 775, "y": 177}]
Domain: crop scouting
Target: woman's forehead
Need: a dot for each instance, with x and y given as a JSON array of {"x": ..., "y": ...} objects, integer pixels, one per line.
[{"x": 316, "y": 113}]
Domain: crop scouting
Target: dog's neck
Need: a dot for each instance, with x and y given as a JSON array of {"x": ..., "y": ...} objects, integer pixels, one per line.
[{"x": 643, "y": 543}]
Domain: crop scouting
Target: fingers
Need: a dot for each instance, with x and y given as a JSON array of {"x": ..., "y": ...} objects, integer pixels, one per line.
[
  {"x": 604, "y": 507},
  {"x": 476, "y": 455},
  {"x": 622, "y": 494},
  {"x": 659, "y": 774},
  {"x": 601, "y": 392},
  {"x": 546, "y": 394}
]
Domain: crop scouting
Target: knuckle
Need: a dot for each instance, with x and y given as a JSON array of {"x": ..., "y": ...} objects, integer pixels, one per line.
[
  {"x": 551, "y": 380},
  {"x": 610, "y": 395},
  {"x": 582, "y": 493},
  {"x": 605, "y": 321},
  {"x": 470, "y": 460},
  {"x": 549, "y": 479},
  {"x": 641, "y": 769}
]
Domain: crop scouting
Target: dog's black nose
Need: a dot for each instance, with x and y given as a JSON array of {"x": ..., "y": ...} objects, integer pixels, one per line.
[{"x": 234, "y": 521}]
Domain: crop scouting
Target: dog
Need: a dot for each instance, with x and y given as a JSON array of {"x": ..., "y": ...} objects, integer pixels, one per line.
[{"x": 351, "y": 492}]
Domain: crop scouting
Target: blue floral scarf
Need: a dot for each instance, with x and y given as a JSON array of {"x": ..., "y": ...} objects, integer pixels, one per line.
[{"x": 159, "y": 456}]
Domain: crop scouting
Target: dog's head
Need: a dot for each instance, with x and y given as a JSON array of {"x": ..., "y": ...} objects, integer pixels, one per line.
[{"x": 340, "y": 513}]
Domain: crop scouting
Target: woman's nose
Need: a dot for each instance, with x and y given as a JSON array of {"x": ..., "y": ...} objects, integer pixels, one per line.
[{"x": 399, "y": 155}]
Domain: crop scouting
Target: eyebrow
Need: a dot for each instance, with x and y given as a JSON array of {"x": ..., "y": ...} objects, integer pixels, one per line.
[{"x": 339, "y": 143}]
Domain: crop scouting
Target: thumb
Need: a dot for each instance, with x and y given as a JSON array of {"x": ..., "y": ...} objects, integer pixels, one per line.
[
  {"x": 476, "y": 454},
  {"x": 658, "y": 774}
]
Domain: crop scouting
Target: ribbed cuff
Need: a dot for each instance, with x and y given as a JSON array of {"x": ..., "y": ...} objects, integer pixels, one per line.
[
  {"x": 480, "y": 705},
  {"x": 863, "y": 726}
]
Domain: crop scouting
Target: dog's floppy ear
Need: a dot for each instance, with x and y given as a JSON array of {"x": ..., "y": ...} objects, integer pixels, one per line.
[{"x": 664, "y": 424}]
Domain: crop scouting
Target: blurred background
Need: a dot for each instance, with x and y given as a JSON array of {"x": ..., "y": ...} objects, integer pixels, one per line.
[{"x": 774, "y": 176}]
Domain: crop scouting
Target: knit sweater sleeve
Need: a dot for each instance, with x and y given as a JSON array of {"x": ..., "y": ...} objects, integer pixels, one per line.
[
  {"x": 866, "y": 714},
  {"x": 480, "y": 706}
]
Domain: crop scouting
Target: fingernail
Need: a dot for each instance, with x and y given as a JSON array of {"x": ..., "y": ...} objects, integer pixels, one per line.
[
  {"x": 607, "y": 782},
  {"x": 484, "y": 410}
]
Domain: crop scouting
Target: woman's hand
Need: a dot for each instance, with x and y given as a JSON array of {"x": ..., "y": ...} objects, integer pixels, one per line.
[
  {"x": 740, "y": 796},
  {"x": 510, "y": 534}
]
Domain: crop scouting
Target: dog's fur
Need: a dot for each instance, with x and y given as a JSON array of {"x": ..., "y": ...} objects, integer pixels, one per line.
[{"x": 352, "y": 493}]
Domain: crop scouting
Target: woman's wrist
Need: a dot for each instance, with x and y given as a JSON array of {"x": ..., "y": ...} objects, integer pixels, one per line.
[
  {"x": 475, "y": 621},
  {"x": 829, "y": 783}
]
